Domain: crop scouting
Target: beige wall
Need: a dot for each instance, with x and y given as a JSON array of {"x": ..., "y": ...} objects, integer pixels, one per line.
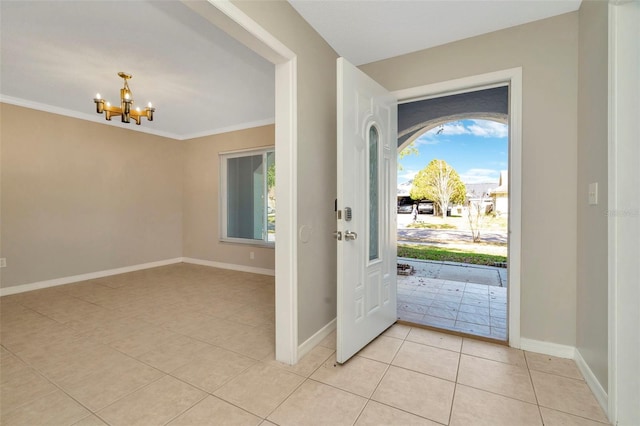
[
  {"x": 201, "y": 236},
  {"x": 81, "y": 197},
  {"x": 547, "y": 52},
  {"x": 316, "y": 159},
  {"x": 592, "y": 314}
]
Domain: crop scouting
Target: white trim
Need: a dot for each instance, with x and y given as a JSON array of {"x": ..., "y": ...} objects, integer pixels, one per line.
[
  {"x": 318, "y": 337},
  {"x": 117, "y": 271},
  {"x": 569, "y": 352},
  {"x": 274, "y": 47},
  {"x": 623, "y": 213},
  {"x": 240, "y": 152},
  {"x": 286, "y": 213},
  {"x": 230, "y": 266},
  {"x": 454, "y": 87},
  {"x": 548, "y": 348},
  {"x": 223, "y": 196},
  {"x": 83, "y": 277},
  {"x": 513, "y": 77},
  {"x": 234, "y": 128},
  {"x": 515, "y": 204},
  {"x": 95, "y": 118},
  {"x": 612, "y": 330},
  {"x": 592, "y": 382},
  {"x": 240, "y": 26}
]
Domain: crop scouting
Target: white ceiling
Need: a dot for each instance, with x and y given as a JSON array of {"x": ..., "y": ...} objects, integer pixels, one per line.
[
  {"x": 55, "y": 55},
  {"x": 61, "y": 53},
  {"x": 365, "y": 31}
]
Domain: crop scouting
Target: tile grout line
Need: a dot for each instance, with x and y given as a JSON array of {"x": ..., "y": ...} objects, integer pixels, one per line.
[
  {"x": 370, "y": 398},
  {"x": 455, "y": 384},
  {"x": 535, "y": 393},
  {"x": 61, "y": 389}
]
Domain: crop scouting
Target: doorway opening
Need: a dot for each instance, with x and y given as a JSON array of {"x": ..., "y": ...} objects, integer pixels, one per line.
[
  {"x": 244, "y": 29},
  {"x": 453, "y": 212}
]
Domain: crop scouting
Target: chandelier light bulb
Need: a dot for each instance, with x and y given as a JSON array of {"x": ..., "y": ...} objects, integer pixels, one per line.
[
  {"x": 149, "y": 105},
  {"x": 98, "y": 96}
]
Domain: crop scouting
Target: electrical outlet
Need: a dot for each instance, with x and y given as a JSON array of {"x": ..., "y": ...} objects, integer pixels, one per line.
[
  {"x": 3, "y": 262},
  {"x": 593, "y": 193},
  {"x": 252, "y": 255}
]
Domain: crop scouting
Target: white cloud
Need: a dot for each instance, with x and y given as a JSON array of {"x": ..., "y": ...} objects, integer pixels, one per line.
[
  {"x": 406, "y": 175},
  {"x": 433, "y": 136},
  {"x": 480, "y": 176},
  {"x": 427, "y": 139},
  {"x": 454, "y": 128},
  {"x": 488, "y": 129},
  {"x": 480, "y": 128},
  {"x": 451, "y": 128}
]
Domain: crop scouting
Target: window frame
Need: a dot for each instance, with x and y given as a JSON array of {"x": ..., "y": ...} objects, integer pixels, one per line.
[{"x": 223, "y": 209}]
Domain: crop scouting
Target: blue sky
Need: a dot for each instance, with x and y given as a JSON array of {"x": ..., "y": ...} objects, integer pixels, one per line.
[{"x": 476, "y": 149}]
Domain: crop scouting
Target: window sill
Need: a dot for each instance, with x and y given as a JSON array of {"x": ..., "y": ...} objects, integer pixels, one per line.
[{"x": 250, "y": 243}]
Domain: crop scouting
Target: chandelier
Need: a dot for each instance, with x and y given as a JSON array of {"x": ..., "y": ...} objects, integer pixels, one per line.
[{"x": 125, "y": 110}]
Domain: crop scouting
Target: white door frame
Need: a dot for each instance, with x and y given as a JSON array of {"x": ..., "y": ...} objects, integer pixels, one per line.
[
  {"x": 225, "y": 15},
  {"x": 512, "y": 77},
  {"x": 623, "y": 214}
]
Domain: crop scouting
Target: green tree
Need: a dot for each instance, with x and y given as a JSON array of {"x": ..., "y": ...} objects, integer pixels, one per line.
[
  {"x": 410, "y": 149},
  {"x": 440, "y": 183},
  {"x": 271, "y": 179},
  {"x": 271, "y": 176}
]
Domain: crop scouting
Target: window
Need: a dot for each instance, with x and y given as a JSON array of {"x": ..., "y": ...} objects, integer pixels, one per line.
[
  {"x": 247, "y": 202},
  {"x": 373, "y": 193}
]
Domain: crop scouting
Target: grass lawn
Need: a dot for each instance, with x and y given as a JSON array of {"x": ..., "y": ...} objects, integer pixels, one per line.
[
  {"x": 422, "y": 225},
  {"x": 424, "y": 252},
  {"x": 489, "y": 222}
]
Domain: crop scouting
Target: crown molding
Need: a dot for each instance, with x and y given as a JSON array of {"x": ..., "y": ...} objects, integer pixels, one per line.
[
  {"x": 228, "y": 129},
  {"x": 82, "y": 116},
  {"x": 98, "y": 119}
]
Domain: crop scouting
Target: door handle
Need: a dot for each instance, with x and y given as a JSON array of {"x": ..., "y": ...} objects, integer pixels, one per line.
[
  {"x": 348, "y": 235},
  {"x": 337, "y": 235}
]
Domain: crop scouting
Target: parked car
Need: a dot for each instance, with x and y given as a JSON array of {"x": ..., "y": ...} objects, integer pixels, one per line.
[
  {"x": 405, "y": 205},
  {"x": 425, "y": 207},
  {"x": 405, "y": 208}
]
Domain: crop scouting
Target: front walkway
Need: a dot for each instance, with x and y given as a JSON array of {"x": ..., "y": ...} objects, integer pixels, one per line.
[{"x": 459, "y": 297}]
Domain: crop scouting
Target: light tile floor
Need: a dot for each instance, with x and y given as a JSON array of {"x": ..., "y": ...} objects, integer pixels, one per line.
[
  {"x": 456, "y": 305},
  {"x": 192, "y": 345}
]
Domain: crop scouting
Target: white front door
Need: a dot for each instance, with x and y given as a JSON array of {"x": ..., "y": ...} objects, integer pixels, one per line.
[{"x": 366, "y": 216}]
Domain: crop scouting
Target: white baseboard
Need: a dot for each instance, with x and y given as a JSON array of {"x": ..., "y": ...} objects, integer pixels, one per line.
[
  {"x": 83, "y": 277},
  {"x": 547, "y": 348},
  {"x": 100, "y": 274},
  {"x": 232, "y": 266},
  {"x": 592, "y": 382},
  {"x": 564, "y": 351},
  {"x": 314, "y": 340}
]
